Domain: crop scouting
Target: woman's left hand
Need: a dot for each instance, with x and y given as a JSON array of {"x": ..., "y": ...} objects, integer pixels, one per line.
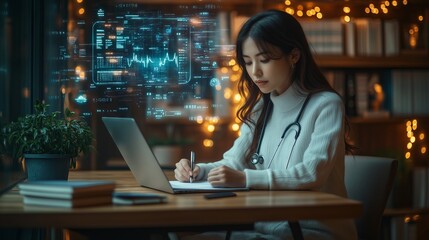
[{"x": 224, "y": 176}]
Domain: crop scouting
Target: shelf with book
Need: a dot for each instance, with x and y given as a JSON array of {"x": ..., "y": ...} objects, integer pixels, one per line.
[
  {"x": 381, "y": 93},
  {"x": 378, "y": 63},
  {"x": 371, "y": 41}
]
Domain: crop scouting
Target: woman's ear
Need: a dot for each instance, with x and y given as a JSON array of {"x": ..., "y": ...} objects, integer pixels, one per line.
[{"x": 295, "y": 54}]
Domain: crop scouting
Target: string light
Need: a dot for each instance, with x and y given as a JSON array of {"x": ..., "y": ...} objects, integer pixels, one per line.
[
  {"x": 227, "y": 93},
  {"x": 235, "y": 127},
  {"x": 211, "y": 128},
  {"x": 346, "y": 10},
  {"x": 311, "y": 9},
  {"x": 416, "y": 141},
  {"x": 237, "y": 98},
  {"x": 208, "y": 143},
  {"x": 200, "y": 120}
]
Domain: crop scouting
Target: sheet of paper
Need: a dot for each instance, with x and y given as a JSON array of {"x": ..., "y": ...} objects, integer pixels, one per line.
[{"x": 201, "y": 186}]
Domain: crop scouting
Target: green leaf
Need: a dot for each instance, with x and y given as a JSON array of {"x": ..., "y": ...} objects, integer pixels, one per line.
[{"x": 44, "y": 132}]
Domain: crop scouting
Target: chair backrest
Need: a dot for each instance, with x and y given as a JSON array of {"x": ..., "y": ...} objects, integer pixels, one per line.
[{"x": 369, "y": 180}]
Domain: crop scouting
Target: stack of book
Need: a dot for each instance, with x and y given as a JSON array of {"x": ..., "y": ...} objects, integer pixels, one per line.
[{"x": 67, "y": 194}]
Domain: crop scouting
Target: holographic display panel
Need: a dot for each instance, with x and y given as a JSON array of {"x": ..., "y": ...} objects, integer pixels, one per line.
[{"x": 160, "y": 64}]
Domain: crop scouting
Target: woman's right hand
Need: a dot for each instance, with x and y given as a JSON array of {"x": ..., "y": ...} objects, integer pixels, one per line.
[{"x": 183, "y": 170}]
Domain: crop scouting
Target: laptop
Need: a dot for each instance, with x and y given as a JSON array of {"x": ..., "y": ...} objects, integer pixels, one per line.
[{"x": 142, "y": 162}]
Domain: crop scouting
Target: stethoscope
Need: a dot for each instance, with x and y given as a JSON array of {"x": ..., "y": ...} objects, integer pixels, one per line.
[{"x": 258, "y": 158}]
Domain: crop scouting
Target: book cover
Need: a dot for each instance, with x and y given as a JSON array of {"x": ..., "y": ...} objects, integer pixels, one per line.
[
  {"x": 420, "y": 187},
  {"x": 420, "y": 96},
  {"x": 402, "y": 92},
  {"x": 362, "y": 90},
  {"x": 135, "y": 198},
  {"x": 63, "y": 189},
  {"x": 391, "y": 37},
  {"x": 324, "y": 37},
  {"x": 350, "y": 94},
  {"x": 350, "y": 39},
  {"x": 68, "y": 203},
  {"x": 369, "y": 37},
  {"x": 65, "y": 195}
]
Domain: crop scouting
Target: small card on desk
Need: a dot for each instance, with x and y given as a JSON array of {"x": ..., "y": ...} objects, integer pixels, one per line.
[
  {"x": 137, "y": 198},
  {"x": 219, "y": 195}
]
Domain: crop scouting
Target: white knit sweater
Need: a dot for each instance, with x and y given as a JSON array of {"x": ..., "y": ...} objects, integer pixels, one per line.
[{"x": 314, "y": 162}]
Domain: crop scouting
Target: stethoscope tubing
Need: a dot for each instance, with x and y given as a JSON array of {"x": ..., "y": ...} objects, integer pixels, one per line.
[{"x": 256, "y": 157}]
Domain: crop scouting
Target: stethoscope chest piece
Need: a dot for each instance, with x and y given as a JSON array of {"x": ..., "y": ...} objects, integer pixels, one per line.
[{"x": 256, "y": 158}]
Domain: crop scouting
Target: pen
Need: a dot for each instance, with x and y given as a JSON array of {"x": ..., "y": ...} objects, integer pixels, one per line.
[{"x": 191, "y": 178}]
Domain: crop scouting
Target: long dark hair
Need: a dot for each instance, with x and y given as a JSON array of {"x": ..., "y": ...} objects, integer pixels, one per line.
[{"x": 279, "y": 29}]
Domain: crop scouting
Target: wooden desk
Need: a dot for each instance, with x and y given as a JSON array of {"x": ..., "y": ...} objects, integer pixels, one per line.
[{"x": 185, "y": 211}]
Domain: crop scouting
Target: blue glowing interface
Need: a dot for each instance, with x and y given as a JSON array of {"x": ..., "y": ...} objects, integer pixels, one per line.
[{"x": 158, "y": 64}]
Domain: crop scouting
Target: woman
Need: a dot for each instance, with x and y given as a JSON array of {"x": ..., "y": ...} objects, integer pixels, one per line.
[{"x": 293, "y": 136}]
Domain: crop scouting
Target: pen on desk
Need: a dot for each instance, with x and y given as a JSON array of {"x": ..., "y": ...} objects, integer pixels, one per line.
[{"x": 191, "y": 178}]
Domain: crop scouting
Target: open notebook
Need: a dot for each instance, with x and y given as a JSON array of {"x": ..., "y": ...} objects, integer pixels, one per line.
[{"x": 142, "y": 162}]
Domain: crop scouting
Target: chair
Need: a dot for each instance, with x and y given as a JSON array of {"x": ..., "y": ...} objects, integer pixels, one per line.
[{"x": 369, "y": 180}]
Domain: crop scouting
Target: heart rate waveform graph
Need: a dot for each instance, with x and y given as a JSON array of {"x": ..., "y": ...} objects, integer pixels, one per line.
[
  {"x": 149, "y": 61},
  {"x": 142, "y": 51},
  {"x": 158, "y": 70}
]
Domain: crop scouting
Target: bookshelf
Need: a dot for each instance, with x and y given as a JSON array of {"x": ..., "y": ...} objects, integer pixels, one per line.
[{"x": 390, "y": 50}]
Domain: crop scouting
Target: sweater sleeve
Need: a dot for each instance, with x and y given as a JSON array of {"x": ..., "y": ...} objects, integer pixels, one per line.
[{"x": 324, "y": 147}]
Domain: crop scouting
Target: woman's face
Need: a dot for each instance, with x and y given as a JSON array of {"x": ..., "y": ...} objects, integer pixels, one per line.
[{"x": 270, "y": 75}]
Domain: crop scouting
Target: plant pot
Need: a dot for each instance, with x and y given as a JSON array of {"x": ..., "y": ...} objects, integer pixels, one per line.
[
  {"x": 47, "y": 166},
  {"x": 167, "y": 156}
]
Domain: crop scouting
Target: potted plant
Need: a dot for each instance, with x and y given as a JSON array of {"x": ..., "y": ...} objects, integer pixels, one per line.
[{"x": 49, "y": 143}]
